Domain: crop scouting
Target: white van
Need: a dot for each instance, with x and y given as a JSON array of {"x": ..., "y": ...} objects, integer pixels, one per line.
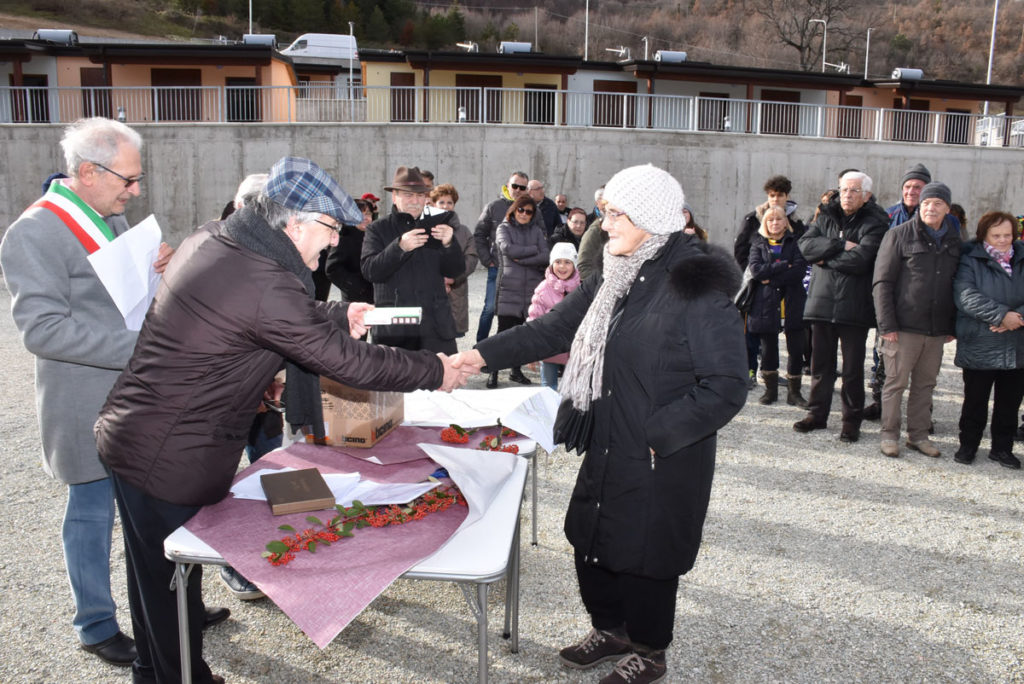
[{"x": 324, "y": 45}]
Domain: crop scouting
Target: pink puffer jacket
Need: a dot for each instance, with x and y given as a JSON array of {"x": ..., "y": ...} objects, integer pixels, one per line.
[{"x": 549, "y": 292}]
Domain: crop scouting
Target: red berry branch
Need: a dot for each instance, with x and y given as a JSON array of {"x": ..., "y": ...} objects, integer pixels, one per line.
[{"x": 282, "y": 551}]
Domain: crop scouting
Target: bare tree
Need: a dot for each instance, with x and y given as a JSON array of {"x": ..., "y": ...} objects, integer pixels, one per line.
[{"x": 791, "y": 20}]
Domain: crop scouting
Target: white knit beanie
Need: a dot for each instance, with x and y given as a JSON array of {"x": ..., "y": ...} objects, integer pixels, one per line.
[
  {"x": 651, "y": 197},
  {"x": 563, "y": 250}
]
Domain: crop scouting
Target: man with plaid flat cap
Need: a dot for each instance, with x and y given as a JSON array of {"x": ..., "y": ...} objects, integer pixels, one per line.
[{"x": 235, "y": 304}]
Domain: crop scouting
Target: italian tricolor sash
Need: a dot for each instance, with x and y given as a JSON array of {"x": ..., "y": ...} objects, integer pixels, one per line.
[{"x": 81, "y": 219}]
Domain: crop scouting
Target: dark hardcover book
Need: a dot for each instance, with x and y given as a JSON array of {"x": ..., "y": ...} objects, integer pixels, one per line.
[{"x": 296, "y": 491}]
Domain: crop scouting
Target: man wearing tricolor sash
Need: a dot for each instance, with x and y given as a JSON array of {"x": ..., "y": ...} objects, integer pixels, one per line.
[{"x": 70, "y": 323}]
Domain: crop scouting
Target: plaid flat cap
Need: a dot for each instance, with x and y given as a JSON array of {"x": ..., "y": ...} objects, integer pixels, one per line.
[{"x": 300, "y": 184}]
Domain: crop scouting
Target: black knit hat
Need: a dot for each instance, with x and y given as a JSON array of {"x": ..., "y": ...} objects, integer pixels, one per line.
[
  {"x": 916, "y": 172},
  {"x": 937, "y": 190}
]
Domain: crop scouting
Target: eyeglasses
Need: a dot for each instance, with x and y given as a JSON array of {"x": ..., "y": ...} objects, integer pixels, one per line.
[
  {"x": 336, "y": 228},
  {"x": 525, "y": 210},
  {"x": 613, "y": 215},
  {"x": 128, "y": 182},
  {"x": 850, "y": 191},
  {"x": 516, "y": 186}
]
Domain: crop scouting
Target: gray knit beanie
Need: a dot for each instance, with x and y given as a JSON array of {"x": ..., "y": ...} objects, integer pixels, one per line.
[
  {"x": 651, "y": 197},
  {"x": 916, "y": 172},
  {"x": 937, "y": 190}
]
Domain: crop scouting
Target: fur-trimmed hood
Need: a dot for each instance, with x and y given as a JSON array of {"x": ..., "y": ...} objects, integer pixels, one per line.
[{"x": 703, "y": 268}]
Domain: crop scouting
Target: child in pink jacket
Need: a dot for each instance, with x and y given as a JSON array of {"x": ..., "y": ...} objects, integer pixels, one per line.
[{"x": 560, "y": 278}]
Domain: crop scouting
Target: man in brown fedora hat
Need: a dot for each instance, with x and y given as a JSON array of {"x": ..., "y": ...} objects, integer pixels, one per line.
[{"x": 407, "y": 255}]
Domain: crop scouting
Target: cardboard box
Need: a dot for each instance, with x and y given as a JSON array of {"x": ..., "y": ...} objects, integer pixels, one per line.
[{"x": 359, "y": 418}]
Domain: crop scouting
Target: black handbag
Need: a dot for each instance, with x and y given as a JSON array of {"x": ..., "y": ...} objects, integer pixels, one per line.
[
  {"x": 573, "y": 427},
  {"x": 744, "y": 299}
]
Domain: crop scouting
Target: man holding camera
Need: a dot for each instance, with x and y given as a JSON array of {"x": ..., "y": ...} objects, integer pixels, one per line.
[{"x": 407, "y": 255}]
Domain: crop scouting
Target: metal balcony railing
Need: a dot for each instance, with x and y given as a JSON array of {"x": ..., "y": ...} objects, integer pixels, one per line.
[{"x": 330, "y": 103}]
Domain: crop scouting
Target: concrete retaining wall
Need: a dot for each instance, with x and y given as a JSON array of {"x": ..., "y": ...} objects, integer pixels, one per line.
[{"x": 192, "y": 170}]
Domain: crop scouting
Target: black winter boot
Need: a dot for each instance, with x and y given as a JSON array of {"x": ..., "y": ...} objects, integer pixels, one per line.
[
  {"x": 793, "y": 397},
  {"x": 492, "y": 381},
  {"x": 771, "y": 387},
  {"x": 516, "y": 375}
]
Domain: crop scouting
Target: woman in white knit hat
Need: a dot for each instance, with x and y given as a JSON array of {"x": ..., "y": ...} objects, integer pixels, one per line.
[{"x": 657, "y": 365}]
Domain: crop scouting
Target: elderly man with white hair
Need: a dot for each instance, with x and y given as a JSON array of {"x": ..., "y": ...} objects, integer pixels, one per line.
[
  {"x": 842, "y": 244},
  {"x": 70, "y": 323}
]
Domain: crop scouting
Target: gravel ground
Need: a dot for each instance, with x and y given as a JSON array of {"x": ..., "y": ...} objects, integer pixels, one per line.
[{"x": 822, "y": 562}]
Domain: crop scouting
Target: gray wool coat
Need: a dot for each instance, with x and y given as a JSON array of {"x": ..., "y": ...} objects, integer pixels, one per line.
[{"x": 72, "y": 326}]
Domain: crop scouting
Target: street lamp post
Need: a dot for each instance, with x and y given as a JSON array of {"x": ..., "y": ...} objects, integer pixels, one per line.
[
  {"x": 824, "y": 39},
  {"x": 586, "y": 32},
  {"x": 991, "y": 48},
  {"x": 867, "y": 53}
]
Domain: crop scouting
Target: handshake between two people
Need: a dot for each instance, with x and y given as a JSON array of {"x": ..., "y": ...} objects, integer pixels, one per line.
[{"x": 459, "y": 367}]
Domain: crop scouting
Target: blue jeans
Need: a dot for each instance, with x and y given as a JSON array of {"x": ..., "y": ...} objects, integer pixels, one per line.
[
  {"x": 487, "y": 314},
  {"x": 86, "y": 534},
  {"x": 262, "y": 445},
  {"x": 549, "y": 374}
]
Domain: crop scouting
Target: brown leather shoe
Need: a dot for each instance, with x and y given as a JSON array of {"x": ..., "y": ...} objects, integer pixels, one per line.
[{"x": 926, "y": 447}]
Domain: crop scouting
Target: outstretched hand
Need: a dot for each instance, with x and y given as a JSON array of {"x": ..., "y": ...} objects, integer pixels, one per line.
[
  {"x": 469, "y": 362},
  {"x": 454, "y": 377},
  {"x": 356, "y": 325}
]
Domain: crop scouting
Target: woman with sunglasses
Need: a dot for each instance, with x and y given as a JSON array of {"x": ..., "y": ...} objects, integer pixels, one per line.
[{"x": 523, "y": 246}]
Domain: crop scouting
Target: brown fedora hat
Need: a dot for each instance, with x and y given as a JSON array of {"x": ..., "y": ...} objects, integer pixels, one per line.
[{"x": 408, "y": 178}]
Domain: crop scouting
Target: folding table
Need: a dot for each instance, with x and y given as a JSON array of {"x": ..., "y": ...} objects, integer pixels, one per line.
[{"x": 478, "y": 554}]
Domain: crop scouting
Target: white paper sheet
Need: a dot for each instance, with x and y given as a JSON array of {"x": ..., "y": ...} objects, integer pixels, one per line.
[
  {"x": 529, "y": 411},
  {"x": 479, "y": 474},
  {"x": 125, "y": 267},
  {"x": 346, "y": 488}
]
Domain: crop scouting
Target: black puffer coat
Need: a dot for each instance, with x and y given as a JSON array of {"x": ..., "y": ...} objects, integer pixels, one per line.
[
  {"x": 785, "y": 276},
  {"x": 840, "y": 290},
  {"x": 983, "y": 294},
  {"x": 413, "y": 278},
  {"x": 675, "y": 373},
  {"x": 524, "y": 254}
]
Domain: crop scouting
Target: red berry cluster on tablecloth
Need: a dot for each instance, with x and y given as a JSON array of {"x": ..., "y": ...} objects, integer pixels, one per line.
[{"x": 282, "y": 551}]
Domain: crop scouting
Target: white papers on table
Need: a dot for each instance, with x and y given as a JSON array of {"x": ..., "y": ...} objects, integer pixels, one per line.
[
  {"x": 125, "y": 267},
  {"x": 480, "y": 475},
  {"x": 346, "y": 488},
  {"x": 527, "y": 410}
]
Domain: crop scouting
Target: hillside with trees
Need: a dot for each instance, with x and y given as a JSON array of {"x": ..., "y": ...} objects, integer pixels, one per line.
[{"x": 947, "y": 40}]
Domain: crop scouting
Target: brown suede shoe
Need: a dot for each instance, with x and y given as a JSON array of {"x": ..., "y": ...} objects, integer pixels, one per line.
[{"x": 597, "y": 647}]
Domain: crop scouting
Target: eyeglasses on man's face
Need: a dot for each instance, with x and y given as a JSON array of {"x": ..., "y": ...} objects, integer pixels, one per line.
[
  {"x": 525, "y": 210},
  {"x": 334, "y": 227},
  {"x": 128, "y": 182},
  {"x": 850, "y": 191}
]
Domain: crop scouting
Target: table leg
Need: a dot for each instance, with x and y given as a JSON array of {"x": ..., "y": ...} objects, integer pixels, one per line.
[
  {"x": 180, "y": 585},
  {"x": 481, "y": 626},
  {"x": 512, "y": 595},
  {"x": 533, "y": 467}
]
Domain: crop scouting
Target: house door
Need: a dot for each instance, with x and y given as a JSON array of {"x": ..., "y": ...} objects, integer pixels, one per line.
[
  {"x": 712, "y": 114},
  {"x": 539, "y": 106},
  {"x": 403, "y": 97},
  {"x": 95, "y": 93},
  {"x": 30, "y": 103},
  {"x": 958, "y": 127},
  {"x": 848, "y": 123},
  {"x": 610, "y": 109},
  {"x": 777, "y": 118},
  {"x": 243, "y": 99},
  {"x": 469, "y": 90},
  {"x": 176, "y": 94}
]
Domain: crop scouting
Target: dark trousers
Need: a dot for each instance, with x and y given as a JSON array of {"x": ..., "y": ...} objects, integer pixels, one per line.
[
  {"x": 794, "y": 349},
  {"x": 825, "y": 337},
  {"x": 753, "y": 347},
  {"x": 145, "y": 522},
  {"x": 645, "y": 607},
  {"x": 1009, "y": 390}
]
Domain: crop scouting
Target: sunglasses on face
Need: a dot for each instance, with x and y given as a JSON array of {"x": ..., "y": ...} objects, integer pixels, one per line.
[
  {"x": 128, "y": 182},
  {"x": 518, "y": 187},
  {"x": 525, "y": 210}
]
